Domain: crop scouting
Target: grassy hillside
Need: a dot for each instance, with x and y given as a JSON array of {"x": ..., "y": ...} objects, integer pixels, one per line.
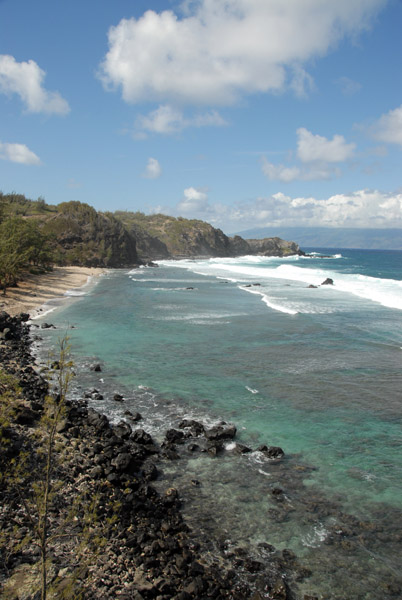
[
  {"x": 77, "y": 233},
  {"x": 179, "y": 236}
]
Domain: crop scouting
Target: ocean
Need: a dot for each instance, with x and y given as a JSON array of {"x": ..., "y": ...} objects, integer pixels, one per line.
[{"x": 259, "y": 342}]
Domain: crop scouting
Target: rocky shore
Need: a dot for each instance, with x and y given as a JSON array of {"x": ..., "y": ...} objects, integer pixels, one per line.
[{"x": 139, "y": 546}]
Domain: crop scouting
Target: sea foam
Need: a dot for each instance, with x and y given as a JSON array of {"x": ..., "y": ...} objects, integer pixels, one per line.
[{"x": 387, "y": 292}]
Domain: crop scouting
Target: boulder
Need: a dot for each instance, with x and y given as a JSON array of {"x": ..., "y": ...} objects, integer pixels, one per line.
[
  {"x": 47, "y": 326},
  {"x": 141, "y": 437},
  {"x": 196, "y": 428},
  {"x": 122, "y": 430},
  {"x": 221, "y": 432},
  {"x": 174, "y": 437},
  {"x": 122, "y": 462},
  {"x": 274, "y": 452}
]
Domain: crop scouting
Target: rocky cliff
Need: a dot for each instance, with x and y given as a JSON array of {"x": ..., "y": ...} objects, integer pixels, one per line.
[
  {"x": 161, "y": 236},
  {"x": 83, "y": 236},
  {"x": 273, "y": 247},
  {"x": 80, "y": 235}
]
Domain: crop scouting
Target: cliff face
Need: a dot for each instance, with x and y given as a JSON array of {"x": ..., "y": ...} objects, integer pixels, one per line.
[
  {"x": 273, "y": 247},
  {"x": 82, "y": 236},
  {"x": 161, "y": 236}
]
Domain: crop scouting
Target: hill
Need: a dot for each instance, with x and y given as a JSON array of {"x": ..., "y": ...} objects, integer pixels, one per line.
[
  {"x": 79, "y": 235},
  {"x": 76, "y": 232}
]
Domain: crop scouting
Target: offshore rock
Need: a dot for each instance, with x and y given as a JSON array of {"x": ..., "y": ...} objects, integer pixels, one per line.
[
  {"x": 271, "y": 451},
  {"x": 274, "y": 247},
  {"x": 221, "y": 432}
]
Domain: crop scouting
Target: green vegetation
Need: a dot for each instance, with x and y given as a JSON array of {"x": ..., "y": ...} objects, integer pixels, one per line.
[
  {"x": 18, "y": 205},
  {"x": 74, "y": 232},
  {"x": 181, "y": 237},
  {"x": 22, "y": 246},
  {"x": 77, "y": 234}
]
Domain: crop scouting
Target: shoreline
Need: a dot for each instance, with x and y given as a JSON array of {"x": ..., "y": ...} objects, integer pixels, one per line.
[
  {"x": 36, "y": 290},
  {"x": 148, "y": 550}
]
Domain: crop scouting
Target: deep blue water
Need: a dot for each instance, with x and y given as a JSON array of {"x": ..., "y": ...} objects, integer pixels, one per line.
[{"x": 315, "y": 370}]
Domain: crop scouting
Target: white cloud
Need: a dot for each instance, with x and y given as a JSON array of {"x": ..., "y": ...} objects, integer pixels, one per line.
[
  {"x": 362, "y": 208},
  {"x": 289, "y": 174},
  {"x": 302, "y": 82},
  {"x": 19, "y": 153},
  {"x": 222, "y": 50},
  {"x": 318, "y": 156},
  {"x": 153, "y": 169},
  {"x": 195, "y": 201},
  {"x": 26, "y": 80},
  {"x": 316, "y": 148},
  {"x": 167, "y": 120},
  {"x": 280, "y": 172},
  {"x": 388, "y": 128},
  {"x": 164, "y": 119}
]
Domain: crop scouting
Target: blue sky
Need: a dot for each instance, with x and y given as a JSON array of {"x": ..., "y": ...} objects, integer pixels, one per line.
[{"x": 244, "y": 113}]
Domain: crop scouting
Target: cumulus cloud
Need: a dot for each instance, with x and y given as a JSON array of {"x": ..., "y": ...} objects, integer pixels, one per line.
[
  {"x": 280, "y": 172},
  {"x": 221, "y": 50},
  {"x": 288, "y": 174},
  {"x": 167, "y": 120},
  {"x": 318, "y": 156},
  {"x": 362, "y": 208},
  {"x": 316, "y": 148},
  {"x": 19, "y": 153},
  {"x": 388, "y": 128},
  {"x": 153, "y": 169},
  {"x": 26, "y": 80},
  {"x": 195, "y": 201}
]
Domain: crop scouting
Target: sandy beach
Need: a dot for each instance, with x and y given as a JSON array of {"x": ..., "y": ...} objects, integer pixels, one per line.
[{"x": 35, "y": 290}]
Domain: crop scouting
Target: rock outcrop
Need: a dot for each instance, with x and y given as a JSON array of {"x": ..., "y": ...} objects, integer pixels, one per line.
[
  {"x": 83, "y": 236},
  {"x": 273, "y": 247},
  {"x": 160, "y": 236}
]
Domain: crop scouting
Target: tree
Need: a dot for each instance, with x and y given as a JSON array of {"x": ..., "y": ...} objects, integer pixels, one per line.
[
  {"x": 21, "y": 244},
  {"x": 2, "y": 204}
]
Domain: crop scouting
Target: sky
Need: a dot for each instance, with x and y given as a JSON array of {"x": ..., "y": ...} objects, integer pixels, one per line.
[{"x": 243, "y": 113}]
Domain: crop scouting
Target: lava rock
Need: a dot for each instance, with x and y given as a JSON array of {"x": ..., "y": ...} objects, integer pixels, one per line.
[{"x": 221, "y": 432}]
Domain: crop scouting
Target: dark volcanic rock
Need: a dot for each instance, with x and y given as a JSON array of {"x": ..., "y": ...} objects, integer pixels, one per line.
[
  {"x": 221, "y": 432},
  {"x": 271, "y": 451}
]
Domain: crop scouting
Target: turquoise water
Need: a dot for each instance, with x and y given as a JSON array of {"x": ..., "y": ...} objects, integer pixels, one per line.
[{"x": 315, "y": 370}]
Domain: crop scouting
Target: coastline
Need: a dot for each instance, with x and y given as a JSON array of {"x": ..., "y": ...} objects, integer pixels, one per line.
[
  {"x": 35, "y": 290},
  {"x": 148, "y": 550}
]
